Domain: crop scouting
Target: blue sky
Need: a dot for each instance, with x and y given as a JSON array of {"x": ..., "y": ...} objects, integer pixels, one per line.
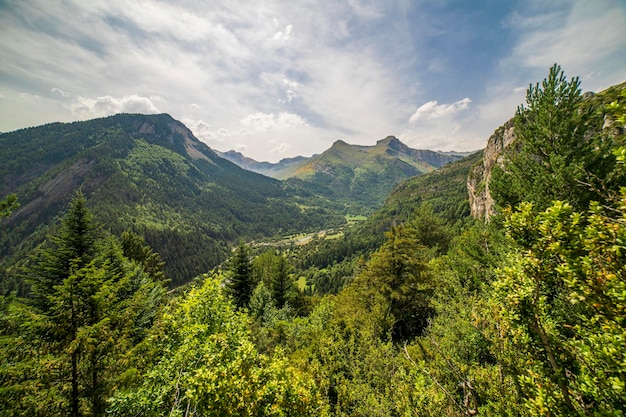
[{"x": 277, "y": 79}]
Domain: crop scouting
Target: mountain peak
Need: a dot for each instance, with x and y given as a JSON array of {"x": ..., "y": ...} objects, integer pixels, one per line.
[
  {"x": 393, "y": 143},
  {"x": 388, "y": 141},
  {"x": 338, "y": 143}
]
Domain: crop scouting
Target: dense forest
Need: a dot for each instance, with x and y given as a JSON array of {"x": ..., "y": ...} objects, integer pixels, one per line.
[{"x": 419, "y": 310}]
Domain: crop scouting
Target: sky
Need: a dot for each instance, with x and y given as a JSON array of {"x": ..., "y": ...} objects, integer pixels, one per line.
[{"x": 280, "y": 78}]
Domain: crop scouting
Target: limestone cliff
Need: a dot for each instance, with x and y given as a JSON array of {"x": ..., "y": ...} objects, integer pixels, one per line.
[{"x": 481, "y": 202}]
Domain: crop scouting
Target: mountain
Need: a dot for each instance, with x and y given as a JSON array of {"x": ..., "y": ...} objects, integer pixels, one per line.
[
  {"x": 148, "y": 174},
  {"x": 358, "y": 176},
  {"x": 363, "y": 176},
  {"x": 265, "y": 168}
]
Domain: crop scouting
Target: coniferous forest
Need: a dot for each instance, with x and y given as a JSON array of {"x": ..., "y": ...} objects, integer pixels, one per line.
[{"x": 422, "y": 309}]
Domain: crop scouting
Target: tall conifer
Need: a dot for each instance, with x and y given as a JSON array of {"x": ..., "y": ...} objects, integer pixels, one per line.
[{"x": 240, "y": 282}]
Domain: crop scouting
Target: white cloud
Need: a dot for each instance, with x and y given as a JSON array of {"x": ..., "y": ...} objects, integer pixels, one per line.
[
  {"x": 85, "y": 108},
  {"x": 586, "y": 39},
  {"x": 240, "y": 147},
  {"x": 299, "y": 73},
  {"x": 270, "y": 121},
  {"x": 201, "y": 129},
  {"x": 280, "y": 149},
  {"x": 285, "y": 34},
  {"x": 433, "y": 110},
  {"x": 59, "y": 91}
]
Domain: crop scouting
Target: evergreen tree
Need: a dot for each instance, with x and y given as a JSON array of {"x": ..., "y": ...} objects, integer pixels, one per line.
[
  {"x": 136, "y": 248},
  {"x": 398, "y": 275},
  {"x": 282, "y": 284},
  {"x": 8, "y": 205},
  {"x": 550, "y": 158},
  {"x": 56, "y": 288},
  {"x": 73, "y": 247},
  {"x": 90, "y": 306},
  {"x": 240, "y": 282}
]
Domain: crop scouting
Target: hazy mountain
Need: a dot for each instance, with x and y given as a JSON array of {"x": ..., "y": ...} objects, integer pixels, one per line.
[
  {"x": 269, "y": 169},
  {"x": 149, "y": 174}
]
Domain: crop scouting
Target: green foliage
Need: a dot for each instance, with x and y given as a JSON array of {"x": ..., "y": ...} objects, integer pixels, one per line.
[
  {"x": 276, "y": 273},
  {"x": 397, "y": 280},
  {"x": 562, "y": 149},
  {"x": 440, "y": 316},
  {"x": 205, "y": 365},
  {"x": 72, "y": 248},
  {"x": 90, "y": 305},
  {"x": 135, "y": 248},
  {"x": 240, "y": 281},
  {"x": 562, "y": 300},
  {"x": 282, "y": 284},
  {"x": 551, "y": 147},
  {"x": 8, "y": 205}
]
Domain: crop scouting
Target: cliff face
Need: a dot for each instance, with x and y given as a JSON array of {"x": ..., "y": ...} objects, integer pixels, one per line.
[{"x": 481, "y": 202}]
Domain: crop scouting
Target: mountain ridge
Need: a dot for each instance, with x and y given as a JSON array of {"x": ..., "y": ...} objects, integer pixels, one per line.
[
  {"x": 287, "y": 167},
  {"x": 151, "y": 175},
  {"x": 359, "y": 176}
]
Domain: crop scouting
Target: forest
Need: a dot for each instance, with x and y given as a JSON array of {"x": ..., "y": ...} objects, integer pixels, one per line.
[{"x": 421, "y": 310}]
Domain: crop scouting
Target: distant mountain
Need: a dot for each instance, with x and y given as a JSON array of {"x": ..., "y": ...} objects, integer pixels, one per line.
[
  {"x": 148, "y": 174},
  {"x": 269, "y": 169},
  {"x": 360, "y": 177}
]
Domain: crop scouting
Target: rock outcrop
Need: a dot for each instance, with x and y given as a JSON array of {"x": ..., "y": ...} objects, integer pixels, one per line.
[{"x": 482, "y": 205}]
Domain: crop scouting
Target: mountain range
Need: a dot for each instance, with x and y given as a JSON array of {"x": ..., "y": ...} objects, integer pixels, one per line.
[
  {"x": 149, "y": 174},
  {"x": 344, "y": 154},
  {"x": 360, "y": 177}
]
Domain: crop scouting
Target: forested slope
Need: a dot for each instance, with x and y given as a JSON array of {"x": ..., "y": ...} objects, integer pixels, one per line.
[{"x": 148, "y": 174}]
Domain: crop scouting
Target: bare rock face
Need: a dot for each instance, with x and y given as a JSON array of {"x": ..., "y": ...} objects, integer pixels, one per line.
[{"x": 482, "y": 205}]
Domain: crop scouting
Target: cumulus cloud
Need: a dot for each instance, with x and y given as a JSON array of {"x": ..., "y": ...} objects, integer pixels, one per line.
[
  {"x": 285, "y": 34},
  {"x": 107, "y": 105},
  {"x": 433, "y": 110},
  {"x": 280, "y": 149},
  {"x": 59, "y": 91},
  {"x": 269, "y": 121},
  {"x": 201, "y": 129}
]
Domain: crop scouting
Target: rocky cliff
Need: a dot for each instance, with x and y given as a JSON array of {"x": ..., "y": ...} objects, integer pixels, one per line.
[{"x": 481, "y": 202}]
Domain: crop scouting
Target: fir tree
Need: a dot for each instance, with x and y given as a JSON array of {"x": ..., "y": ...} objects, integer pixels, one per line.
[
  {"x": 282, "y": 284},
  {"x": 240, "y": 282},
  {"x": 551, "y": 156}
]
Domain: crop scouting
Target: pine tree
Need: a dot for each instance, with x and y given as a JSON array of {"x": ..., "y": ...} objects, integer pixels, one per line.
[
  {"x": 57, "y": 286},
  {"x": 72, "y": 248},
  {"x": 551, "y": 156},
  {"x": 398, "y": 276},
  {"x": 282, "y": 284},
  {"x": 89, "y": 306},
  {"x": 240, "y": 282},
  {"x": 136, "y": 249}
]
